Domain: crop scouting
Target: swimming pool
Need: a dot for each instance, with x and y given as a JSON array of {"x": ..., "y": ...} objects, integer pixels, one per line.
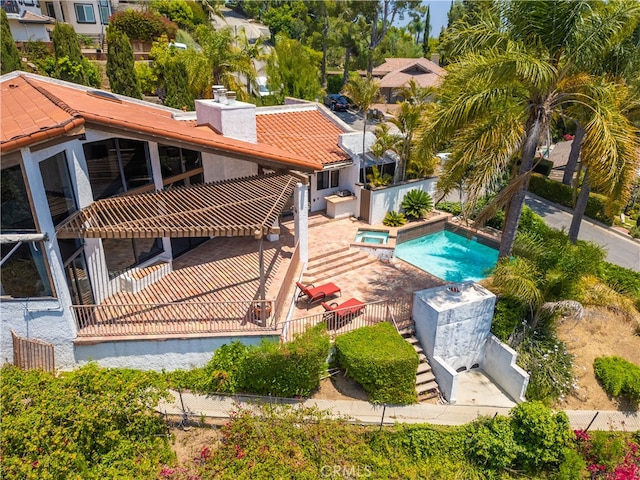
[
  {"x": 372, "y": 236},
  {"x": 449, "y": 256}
]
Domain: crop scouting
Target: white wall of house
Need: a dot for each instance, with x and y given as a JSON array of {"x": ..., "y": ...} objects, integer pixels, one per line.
[
  {"x": 219, "y": 167},
  {"x": 94, "y": 29},
  {"x": 169, "y": 354},
  {"x": 28, "y": 32},
  {"x": 44, "y": 319}
]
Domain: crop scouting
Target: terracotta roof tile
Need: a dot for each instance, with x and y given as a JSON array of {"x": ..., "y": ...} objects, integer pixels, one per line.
[
  {"x": 36, "y": 105},
  {"x": 307, "y": 133},
  {"x": 27, "y": 117}
]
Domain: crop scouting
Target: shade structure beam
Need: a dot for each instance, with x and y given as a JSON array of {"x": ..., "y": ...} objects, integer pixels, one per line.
[{"x": 248, "y": 206}]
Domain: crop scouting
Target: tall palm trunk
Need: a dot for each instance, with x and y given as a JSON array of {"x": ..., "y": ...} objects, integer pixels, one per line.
[
  {"x": 574, "y": 155},
  {"x": 515, "y": 205},
  {"x": 347, "y": 59},
  {"x": 581, "y": 205},
  {"x": 325, "y": 33}
]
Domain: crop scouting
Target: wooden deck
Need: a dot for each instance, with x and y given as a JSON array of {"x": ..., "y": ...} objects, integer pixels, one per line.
[{"x": 212, "y": 288}]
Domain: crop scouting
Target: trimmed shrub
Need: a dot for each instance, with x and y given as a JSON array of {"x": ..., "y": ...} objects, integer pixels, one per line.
[
  {"x": 544, "y": 167},
  {"x": 541, "y": 434},
  {"x": 143, "y": 26},
  {"x": 380, "y": 360},
  {"x": 9, "y": 55},
  {"x": 416, "y": 204},
  {"x": 454, "y": 208},
  {"x": 394, "y": 219},
  {"x": 622, "y": 280},
  {"x": 120, "y": 65},
  {"x": 618, "y": 377},
  {"x": 66, "y": 43},
  {"x": 286, "y": 370},
  {"x": 563, "y": 194}
]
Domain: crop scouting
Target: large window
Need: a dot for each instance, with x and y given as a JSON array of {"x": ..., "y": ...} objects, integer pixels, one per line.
[
  {"x": 327, "y": 179},
  {"x": 105, "y": 11},
  {"x": 58, "y": 187},
  {"x": 117, "y": 166},
  {"x": 180, "y": 166},
  {"x": 123, "y": 254},
  {"x": 84, "y": 13},
  {"x": 75, "y": 271},
  {"x": 24, "y": 270}
]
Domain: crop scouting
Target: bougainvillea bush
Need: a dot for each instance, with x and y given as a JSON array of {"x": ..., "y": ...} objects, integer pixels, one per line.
[{"x": 91, "y": 423}]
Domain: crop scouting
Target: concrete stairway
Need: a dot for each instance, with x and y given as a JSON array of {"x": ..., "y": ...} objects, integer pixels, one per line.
[
  {"x": 426, "y": 385},
  {"x": 332, "y": 263}
]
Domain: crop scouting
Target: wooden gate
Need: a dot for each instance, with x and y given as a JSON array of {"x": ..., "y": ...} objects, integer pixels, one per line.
[{"x": 29, "y": 354}]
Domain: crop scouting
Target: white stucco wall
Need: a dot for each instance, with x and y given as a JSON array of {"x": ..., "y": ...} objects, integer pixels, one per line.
[
  {"x": 171, "y": 354},
  {"x": 218, "y": 167},
  {"x": 28, "y": 32},
  {"x": 447, "y": 378},
  {"x": 454, "y": 326},
  {"x": 499, "y": 363},
  {"x": 389, "y": 198},
  {"x": 236, "y": 120}
]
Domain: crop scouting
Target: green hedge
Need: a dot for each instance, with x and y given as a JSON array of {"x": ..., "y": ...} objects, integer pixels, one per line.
[
  {"x": 286, "y": 370},
  {"x": 618, "y": 377},
  {"x": 563, "y": 194},
  {"x": 381, "y": 361},
  {"x": 622, "y": 280}
]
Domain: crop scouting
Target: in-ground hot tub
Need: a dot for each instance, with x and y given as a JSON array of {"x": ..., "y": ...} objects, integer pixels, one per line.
[{"x": 372, "y": 236}]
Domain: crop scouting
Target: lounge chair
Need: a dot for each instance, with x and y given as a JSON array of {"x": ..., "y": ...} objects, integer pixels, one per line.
[
  {"x": 338, "y": 315},
  {"x": 315, "y": 294}
]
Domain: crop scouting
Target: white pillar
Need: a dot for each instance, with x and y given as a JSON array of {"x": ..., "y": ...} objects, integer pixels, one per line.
[{"x": 301, "y": 220}]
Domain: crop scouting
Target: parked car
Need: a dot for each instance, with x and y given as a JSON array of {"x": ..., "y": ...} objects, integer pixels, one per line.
[{"x": 336, "y": 101}]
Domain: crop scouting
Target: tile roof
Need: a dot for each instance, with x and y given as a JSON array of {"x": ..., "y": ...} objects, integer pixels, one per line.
[
  {"x": 35, "y": 108},
  {"x": 306, "y": 132},
  {"x": 396, "y": 72}
]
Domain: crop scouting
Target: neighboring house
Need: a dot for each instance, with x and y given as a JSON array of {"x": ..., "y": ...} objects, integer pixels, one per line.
[
  {"x": 395, "y": 73},
  {"x": 26, "y": 22},
  {"x": 87, "y": 17},
  {"x": 99, "y": 188}
]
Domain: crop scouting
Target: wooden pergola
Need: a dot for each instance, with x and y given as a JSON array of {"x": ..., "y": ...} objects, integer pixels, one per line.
[
  {"x": 234, "y": 208},
  {"x": 242, "y": 207}
]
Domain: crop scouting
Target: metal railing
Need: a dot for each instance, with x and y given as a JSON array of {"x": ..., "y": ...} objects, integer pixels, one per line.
[
  {"x": 173, "y": 318},
  {"x": 396, "y": 311}
]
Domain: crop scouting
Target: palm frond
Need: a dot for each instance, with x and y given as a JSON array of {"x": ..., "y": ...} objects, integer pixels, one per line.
[
  {"x": 519, "y": 278},
  {"x": 501, "y": 199}
]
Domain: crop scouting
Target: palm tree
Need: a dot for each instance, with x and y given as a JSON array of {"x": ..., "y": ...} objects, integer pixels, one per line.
[
  {"x": 229, "y": 57},
  {"x": 363, "y": 91},
  {"x": 499, "y": 98}
]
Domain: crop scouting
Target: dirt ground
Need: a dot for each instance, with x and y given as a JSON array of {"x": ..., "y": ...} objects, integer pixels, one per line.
[{"x": 599, "y": 333}]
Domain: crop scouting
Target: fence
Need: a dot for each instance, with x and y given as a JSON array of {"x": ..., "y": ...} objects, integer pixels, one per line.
[
  {"x": 396, "y": 311},
  {"x": 173, "y": 318},
  {"x": 29, "y": 354}
]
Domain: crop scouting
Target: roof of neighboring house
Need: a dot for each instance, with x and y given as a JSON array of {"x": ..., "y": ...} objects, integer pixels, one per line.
[
  {"x": 35, "y": 109},
  {"x": 31, "y": 17},
  {"x": 302, "y": 130},
  {"x": 396, "y": 72}
]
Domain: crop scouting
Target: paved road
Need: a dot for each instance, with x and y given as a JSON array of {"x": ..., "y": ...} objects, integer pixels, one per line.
[{"x": 621, "y": 250}]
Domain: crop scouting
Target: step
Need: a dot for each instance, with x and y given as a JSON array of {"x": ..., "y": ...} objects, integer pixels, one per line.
[
  {"x": 428, "y": 395},
  {"x": 418, "y": 348},
  {"x": 321, "y": 256},
  {"x": 336, "y": 271},
  {"x": 406, "y": 332},
  {"x": 423, "y": 367},
  {"x": 333, "y": 261},
  {"x": 412, "y": 340},
  {"x": 425, "y": 378}
]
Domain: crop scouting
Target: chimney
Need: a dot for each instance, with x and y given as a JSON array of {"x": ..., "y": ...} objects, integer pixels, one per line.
[{"x": 228, "y": 116}]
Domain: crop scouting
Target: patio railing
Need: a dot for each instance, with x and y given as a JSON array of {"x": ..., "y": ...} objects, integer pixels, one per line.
[
  {"x": 173, "y": 318},
  {"x": 396, "y": 311},
  {"x": 283, "y": 300}
]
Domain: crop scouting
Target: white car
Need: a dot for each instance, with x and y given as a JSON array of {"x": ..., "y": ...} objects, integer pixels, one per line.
[{"x": 262, "y": 90}]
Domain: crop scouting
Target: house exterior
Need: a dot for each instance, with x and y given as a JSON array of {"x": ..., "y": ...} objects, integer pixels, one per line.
[
  {"x": 395, "y": 73},
  {"x": 96, "y": 186},
  {"x": 31, "y": 20}
]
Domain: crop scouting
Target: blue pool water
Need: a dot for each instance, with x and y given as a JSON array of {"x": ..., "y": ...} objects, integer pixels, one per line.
[
  {"x": 449, "y": 256},
  {"x": 371, "y": 236}
]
